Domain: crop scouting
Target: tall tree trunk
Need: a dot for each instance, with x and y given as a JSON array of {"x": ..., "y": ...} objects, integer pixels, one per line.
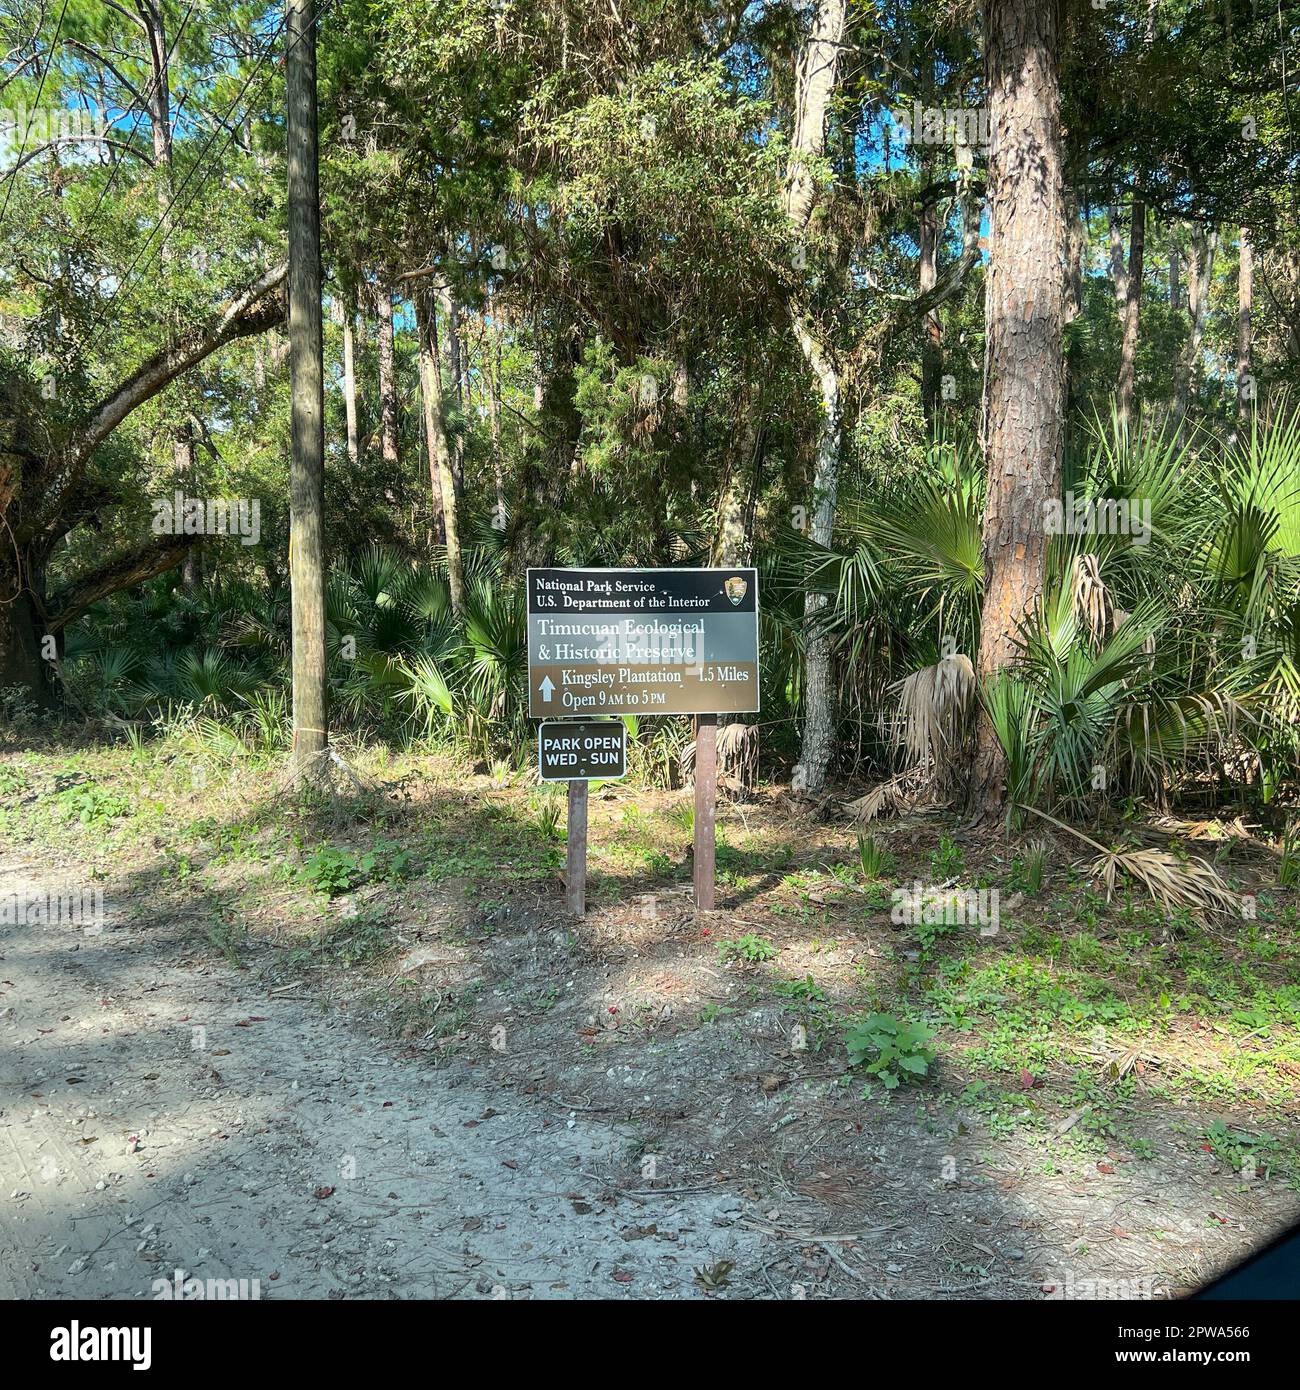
[
  {"x": 1200, "y": 272},
  {"x": 387, "y": 373},
  {"x": 816, "y": 73},
  {"x": 456, "y": 367},
  {"x": 1245, "y": 307},
  {"x": 932, "y": 343},
  {"x": 494, "y": 425},
  {"x": 306, "y": 353},
  {"x": 731, "y": 541},
  {"x": 1025, "y": 380},
  {"x": 1127, "y": 383},
  {"x": 350, "y": 382},
  {"x": 1117, "y": 270},
  {"x": 441, "y": 479},
  {"x": 435, "y": 436}
]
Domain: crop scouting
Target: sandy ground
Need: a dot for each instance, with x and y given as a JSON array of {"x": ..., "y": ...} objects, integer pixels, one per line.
[
  {"x": 163, "y": 1111},
  {"x": 159, "y": 1113}
]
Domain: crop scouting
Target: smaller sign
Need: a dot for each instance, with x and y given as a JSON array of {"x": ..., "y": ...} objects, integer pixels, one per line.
[{"x": 582, "y": 750}]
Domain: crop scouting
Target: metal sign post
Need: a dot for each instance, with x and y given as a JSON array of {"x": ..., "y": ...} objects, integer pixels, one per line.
[{"x": 653, "y": 641}]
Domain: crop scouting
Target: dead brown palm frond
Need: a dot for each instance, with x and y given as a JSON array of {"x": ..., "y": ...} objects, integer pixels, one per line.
[
  {"x": 738, "y": 753},
  {"x": 909, "y": 791},
  {"x": 1171, "y": 881},
  {"x": 932, "y": 706},
  {"x": 1091, "y": 598},
  {"x": 737, "y": 749},
  {"x": 885, "y": 797}
]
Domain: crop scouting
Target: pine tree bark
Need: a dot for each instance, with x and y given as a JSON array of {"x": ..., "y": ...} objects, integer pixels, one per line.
[
  {"x": 1024, "y": 407},
  {"x": 440, "y": 468},
  {"x": 1126, "y": 385},
  {"x": 1245, "y": 310},
  {"x": 816, "y": 73},
  {"x": 306, "y": 353}
]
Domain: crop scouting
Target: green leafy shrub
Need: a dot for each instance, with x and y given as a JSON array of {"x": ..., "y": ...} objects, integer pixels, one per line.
[
  {"x": 330, "y": 870},
  {"x": 891, "y": 1050},
  {"x": 91, "y": 804},
  {"x": 749, "y": 948},
  {"x": 333, "y": 870}
]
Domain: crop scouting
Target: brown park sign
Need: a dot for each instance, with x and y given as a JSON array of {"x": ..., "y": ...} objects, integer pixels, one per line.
[{"x": 657, "y": 641}]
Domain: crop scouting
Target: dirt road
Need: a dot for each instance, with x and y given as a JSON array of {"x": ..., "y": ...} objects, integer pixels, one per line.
[{"x": 161, "y": 1114}]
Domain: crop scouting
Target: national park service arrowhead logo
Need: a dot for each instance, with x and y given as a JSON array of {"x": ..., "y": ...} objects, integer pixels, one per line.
[{"x": 736, "y": 588}]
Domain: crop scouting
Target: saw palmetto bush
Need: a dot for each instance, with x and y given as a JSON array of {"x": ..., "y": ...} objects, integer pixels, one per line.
[
  {"x": 903, "y": 593},
  {"x": 1164, "y": 652},
  {"x": 398, "y": 660},
  {"x": 1162, "y": 656}
]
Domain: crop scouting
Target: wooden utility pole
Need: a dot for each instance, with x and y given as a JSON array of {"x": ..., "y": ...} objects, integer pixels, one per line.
[{"x": 306, "y": 352}]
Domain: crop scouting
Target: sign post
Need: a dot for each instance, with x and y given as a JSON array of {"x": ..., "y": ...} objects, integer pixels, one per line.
[
  {"x": 577, "y": 752},
  {"x": 706, "y": 808},
  {"x": 575, "y": 869},
  {"x": 653, "y": 641}
]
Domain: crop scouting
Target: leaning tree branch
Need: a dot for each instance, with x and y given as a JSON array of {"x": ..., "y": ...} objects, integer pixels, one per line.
[
  {"x": 121, "y": 572},
  {"x": 259, "y": 307}
]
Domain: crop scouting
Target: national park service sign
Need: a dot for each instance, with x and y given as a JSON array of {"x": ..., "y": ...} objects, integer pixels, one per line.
[{"x": 625, "y": 641}]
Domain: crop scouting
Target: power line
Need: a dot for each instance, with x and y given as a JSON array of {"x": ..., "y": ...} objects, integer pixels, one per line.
[
  {"x": 230, "y": 135},
  {"x": 135, "y": 125},
  {"x": 171, "y": 203},
  {"x": 13, "y": 173}
]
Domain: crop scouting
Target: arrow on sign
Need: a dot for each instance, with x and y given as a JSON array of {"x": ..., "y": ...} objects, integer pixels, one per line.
[{"x": 546, "y": 688}]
